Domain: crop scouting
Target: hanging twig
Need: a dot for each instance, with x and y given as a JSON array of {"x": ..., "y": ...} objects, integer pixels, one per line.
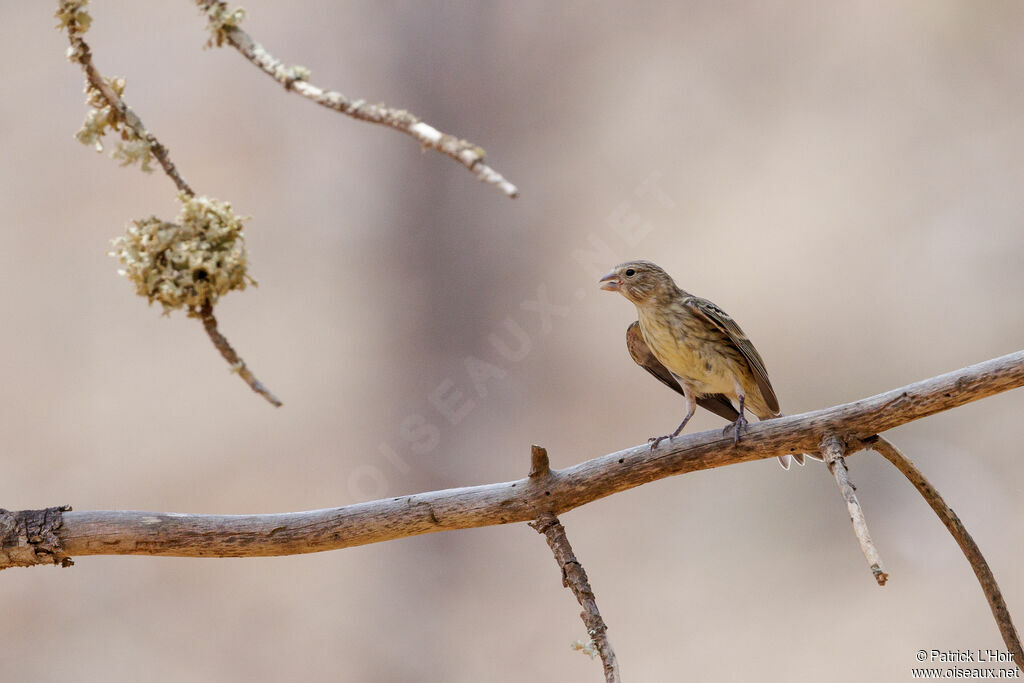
[
  {"x": 970, "y": 549},
  {"x": 574, "y": 577},
  {"x": 833, "y": 451},
  {"x": 236, "y": 363}
]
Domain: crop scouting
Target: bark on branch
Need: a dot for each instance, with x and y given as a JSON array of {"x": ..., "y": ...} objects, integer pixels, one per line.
[{"x": 31, "y": 537}]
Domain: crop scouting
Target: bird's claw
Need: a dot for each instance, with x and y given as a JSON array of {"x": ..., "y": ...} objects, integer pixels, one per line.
[
  {"x": 736, "y": 427},
  {"x": 655, "y": 440}
]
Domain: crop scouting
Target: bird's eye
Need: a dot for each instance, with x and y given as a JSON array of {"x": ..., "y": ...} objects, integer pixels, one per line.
[{"x": 630, "y": 272}]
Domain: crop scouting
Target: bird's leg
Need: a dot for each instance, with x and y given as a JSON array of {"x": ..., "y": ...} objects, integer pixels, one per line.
[
  {"x": 739, "y": 424},
  {"x": 691, "y": 408}
]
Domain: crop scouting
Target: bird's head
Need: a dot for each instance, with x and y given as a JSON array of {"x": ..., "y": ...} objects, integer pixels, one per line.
[{"x": 638, "y": 281}]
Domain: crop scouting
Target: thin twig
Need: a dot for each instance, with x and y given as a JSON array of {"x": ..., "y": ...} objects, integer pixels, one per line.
[
  {"x": 237, "y": 364},
  {"x": 833, "y": 451},
  {"x": 83, "y": 55},
  {"x": 106, "y": 532},
  {"x": 466, "y": 153},
  {"x": 574, "y": 577},
  {"x": 970, "y": 549}
]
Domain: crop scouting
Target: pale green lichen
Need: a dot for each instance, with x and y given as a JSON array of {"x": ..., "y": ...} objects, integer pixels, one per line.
[
  {"x": 186, "y": 264},
  {"x": 75, "y": 52},
  {"x": 134, "y": 151},
  {"x": 589, "y": 648},
  {"x": 102, "y": 118},
  {"x": 71, "y": 15},
  {"x": 221, "y": 19}
]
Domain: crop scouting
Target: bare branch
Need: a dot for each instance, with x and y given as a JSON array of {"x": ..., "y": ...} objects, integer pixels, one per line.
[
  {"x": 833, "y": 451},
  {"x": 466, "y": 153},
  {"x": 970, "y": 549},
  {"x": 236, "y": 363},
  {"x": 190, "y": 535},
  {"x": 574, "y": 577}
]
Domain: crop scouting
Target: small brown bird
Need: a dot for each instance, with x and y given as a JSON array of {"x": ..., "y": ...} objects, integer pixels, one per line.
[{"x": 693, "y": 347}]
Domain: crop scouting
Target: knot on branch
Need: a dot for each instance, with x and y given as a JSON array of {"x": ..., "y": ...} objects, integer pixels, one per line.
[
  {"x": 831, "y": 449},
  {"x": 544, "y": 523},
  {"x": 540, "y": 467},
  {"x": 30, "y": 537}
]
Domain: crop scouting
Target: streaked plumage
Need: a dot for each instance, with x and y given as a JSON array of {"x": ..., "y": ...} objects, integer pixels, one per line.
[{"x": 693, "y": 347}]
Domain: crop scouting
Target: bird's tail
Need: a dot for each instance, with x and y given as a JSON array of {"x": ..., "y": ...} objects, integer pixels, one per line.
[{"x": 787, "y": 460}]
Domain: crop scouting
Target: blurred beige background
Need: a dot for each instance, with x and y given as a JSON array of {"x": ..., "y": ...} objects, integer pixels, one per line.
[{"x": 844, "y": 179}]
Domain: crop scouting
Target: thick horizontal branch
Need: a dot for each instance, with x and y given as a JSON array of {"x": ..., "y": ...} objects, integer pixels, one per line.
[{"x": 194, "y": 535}]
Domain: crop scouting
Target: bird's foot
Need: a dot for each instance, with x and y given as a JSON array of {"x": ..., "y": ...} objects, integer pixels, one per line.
[
  {"x": 739, "y": 425},
  {"x": 655, "y": 440}
]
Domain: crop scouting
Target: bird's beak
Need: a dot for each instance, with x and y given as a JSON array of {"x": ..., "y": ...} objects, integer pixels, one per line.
[{"x": 611, "y": 282}]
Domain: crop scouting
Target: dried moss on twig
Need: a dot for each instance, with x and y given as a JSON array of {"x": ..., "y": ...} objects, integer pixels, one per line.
[{"x": 186, "y": 264}]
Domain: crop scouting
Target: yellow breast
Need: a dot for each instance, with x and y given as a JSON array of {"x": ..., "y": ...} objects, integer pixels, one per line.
[{"x": 689, "y": 351}]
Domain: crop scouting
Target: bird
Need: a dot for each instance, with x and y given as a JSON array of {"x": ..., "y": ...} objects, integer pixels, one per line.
[{"x": 694, "y": 348}]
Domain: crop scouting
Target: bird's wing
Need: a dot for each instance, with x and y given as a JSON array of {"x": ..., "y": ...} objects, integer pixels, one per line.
[
  {"x": 720, "y": 405},
  {"x": 642, "y": 356},
  {"x": 720, "y": 319}
]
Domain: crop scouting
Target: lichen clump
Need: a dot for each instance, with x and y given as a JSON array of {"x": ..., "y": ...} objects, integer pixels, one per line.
[
  {"x": 72, "y": 15},
  {"x": 220, "y": 20},
  {"x": 102, "y": 118},
  {"x": 189, "y": 263},
  {"x": 588, "y": 648}
]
